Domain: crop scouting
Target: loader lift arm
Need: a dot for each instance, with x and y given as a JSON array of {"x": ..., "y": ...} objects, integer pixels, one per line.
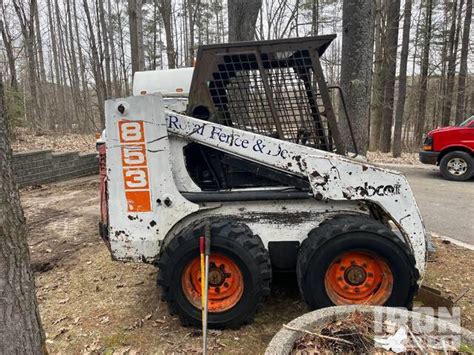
[{"x": 331, "y": 176}]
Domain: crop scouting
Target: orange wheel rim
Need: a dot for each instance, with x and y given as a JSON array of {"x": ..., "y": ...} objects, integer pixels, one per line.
[
  {"x": 226, "y": 284},
  {"x": 358, "y": 277}
]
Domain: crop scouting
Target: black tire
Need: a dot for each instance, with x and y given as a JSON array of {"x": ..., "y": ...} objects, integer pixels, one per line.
[
  {"x": 354, "y": 233},
  {"x": 233, "y": 240},
  {"x": 450, "y": 173}
]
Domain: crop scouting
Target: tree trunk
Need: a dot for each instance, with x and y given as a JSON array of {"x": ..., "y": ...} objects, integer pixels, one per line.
[
  {"x": 136, "y": 35},
  {"x": 420, "y": 117},
  {"x": 378, "y": 77},
  {"x": 314, "y": 17},
  {"x": 20, "y": 324},
  {"x": 460, "y": 113},
  {"x": 7, "y": 41},
  {"x": 356, "y": 67},
  {"x": 193, "y": 10},
  {"x": 39, "y": 48},
  {"x": 27, "y": 24},
  {"x": 105, "y": 37},
  {"x": 62, "y": 65},
  {"x": 402, "y": 81},
  {"x": 390, "y": 59},
  {"x": 113, "y": 55},
  {"x": 453, "y": 46},
  {"x": 166, "y": 14},
  {"x": 96, "y": 68},
  {"x": 122, "y": 49},
  {"x": 242, "y": 17}
]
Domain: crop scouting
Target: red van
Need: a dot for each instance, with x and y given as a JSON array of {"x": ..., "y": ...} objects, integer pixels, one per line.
[{"x": 452, "y": 148}]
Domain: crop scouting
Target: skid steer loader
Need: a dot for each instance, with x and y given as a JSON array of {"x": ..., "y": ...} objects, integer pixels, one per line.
[{"x": 257, "y": 156}]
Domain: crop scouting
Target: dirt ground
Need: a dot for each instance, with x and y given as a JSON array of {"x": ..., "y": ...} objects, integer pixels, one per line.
[{"x": 91, "y": 304}]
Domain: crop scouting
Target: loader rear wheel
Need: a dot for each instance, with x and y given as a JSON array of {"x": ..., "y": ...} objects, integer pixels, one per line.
[
  {"x": 355, "y": 260},
  {"x": 239, "y": 274}
]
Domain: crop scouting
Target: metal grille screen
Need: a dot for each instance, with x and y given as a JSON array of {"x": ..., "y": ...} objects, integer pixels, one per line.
[{"x": 272, "y": 93}]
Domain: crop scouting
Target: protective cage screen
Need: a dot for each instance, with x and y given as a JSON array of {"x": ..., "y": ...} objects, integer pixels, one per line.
[{"x": 272, "y": 93}]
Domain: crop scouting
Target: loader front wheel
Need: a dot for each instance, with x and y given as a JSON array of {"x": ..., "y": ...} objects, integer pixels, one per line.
[
  {"x": 355, "y": 260},
  {"x": 239, "y": 274}
]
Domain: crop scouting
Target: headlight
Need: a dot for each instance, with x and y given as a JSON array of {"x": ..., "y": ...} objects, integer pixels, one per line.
[{"x": 428, "y": 144}]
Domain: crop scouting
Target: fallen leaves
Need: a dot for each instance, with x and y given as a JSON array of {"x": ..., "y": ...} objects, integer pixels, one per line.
[
  {"x": 137, "y": 324},
  {"x": 104, "y": 320},
  {"x": 59, "y": 320},
  {"x": 64, "y": 300},
  {"x": 61, "y": 331},
  {"x": 387, "y": 158},
  {"x": 27, "y": 140}
]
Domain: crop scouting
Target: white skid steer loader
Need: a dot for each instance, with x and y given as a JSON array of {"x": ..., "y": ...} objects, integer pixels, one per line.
[{"x": 258, "y": 157}]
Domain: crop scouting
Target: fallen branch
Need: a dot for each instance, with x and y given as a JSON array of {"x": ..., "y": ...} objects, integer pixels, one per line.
[
  {"x": 461, "y": 295},
  {"x": 415, "y": 340},
  {"x": 316, "y": 334}
]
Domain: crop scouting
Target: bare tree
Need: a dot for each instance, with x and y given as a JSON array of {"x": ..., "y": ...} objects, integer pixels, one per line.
[
  {"x": 135, "y": 18},
  {"x": 105, "y": 38},
  {"x": 20, "y": 324},
  {"x": 314, "y": 17},
  {"x": 460, "y": 112},
  {"x": 402, "y": 81},
  {"x": 453, "y": 48},
  {"x": 356, "y": 65},
  {"x": 8, "y": 43},
  {"x": 26, "y": 17},
  {"x": 166, "y": 11},
  {"x": 242, "y": 16},
  {"x": 378, "y": 85},
  {"x": 423, "y": 89},
  {"x": 193, "y": 11},
  {"x": 390, "y": 62},
  {"x": 96, "y": 66}
]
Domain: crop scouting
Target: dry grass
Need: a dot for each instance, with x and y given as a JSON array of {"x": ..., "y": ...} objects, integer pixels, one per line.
[{"x": 91, "y": 304}]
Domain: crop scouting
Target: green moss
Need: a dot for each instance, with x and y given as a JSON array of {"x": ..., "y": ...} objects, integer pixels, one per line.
[{"x": 114, "y": 341}]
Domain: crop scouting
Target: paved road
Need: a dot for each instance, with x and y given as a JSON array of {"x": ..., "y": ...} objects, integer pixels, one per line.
[{"x": 447, "y": 206}]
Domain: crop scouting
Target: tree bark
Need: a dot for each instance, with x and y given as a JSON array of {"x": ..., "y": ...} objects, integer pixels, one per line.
[
  {"x": 113, "y": 56},
  {"x": 193, "y": 10},
  {"x": 96, "y": 68},
  {"x": 421, "y": 113},
  {"x": 356, "y": 67},
  {"x": 402, "y": 81},
  {"x": 314, "y": 17},
  {"x": 242, "y": 17},
  {"x": 460, "y": 113},
  {"x": 378, "y": 77},
  {"x": 136, "y": 35},
  {"x": 27, "y": 24},
  {"x": 8, "y": 43},
  {"x": 453, "y": 47},
  {"x": 390, "y": 59},
  {"x": 105, "y": 37},
  {"x": 122, "y": 49},
  {"x": 39, "y": 48},
  {"x": 165, "y": 9},
  {"x": 20, "y": 324}
]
